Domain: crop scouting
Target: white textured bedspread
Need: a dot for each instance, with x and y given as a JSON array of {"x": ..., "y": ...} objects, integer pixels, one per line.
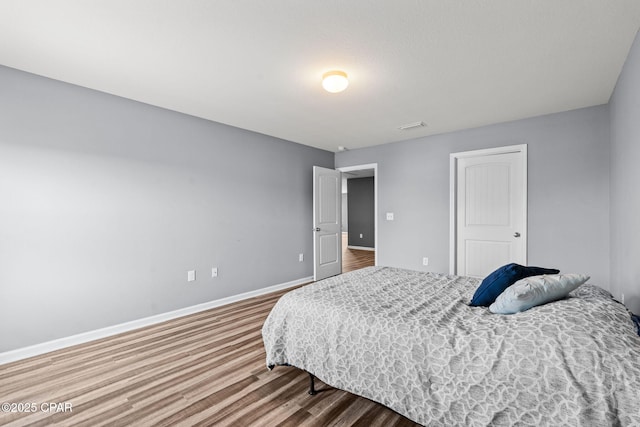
[{"x": 409, "y": 340}]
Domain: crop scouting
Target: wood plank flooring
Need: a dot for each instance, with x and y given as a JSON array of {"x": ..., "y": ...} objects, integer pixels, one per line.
[
  {"x": 354, "y": 259},
  {"x": 200, "y": 370}
]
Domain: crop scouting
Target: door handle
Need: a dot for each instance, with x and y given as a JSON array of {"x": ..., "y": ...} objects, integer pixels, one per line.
[
  {"x": 516, "y": 234},
  {"x": 316, "y": 229}
]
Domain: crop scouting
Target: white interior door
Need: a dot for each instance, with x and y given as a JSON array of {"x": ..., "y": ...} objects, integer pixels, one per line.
[
  {"x": 327, "y": 219},
  {"x": 491, "y": 206}
]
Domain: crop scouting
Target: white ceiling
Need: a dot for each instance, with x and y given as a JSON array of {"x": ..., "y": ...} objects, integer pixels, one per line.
[{"x": 257, "y": 64}]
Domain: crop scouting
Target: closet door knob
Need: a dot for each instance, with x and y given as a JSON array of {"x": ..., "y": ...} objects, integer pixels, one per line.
[{"x": 516, "y": 234}]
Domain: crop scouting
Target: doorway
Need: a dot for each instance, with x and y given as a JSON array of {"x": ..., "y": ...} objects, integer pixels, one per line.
[{"x": 359, "y": 216}]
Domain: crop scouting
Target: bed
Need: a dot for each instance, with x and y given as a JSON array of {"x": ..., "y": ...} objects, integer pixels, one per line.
[{"x": 410, "y": 341}]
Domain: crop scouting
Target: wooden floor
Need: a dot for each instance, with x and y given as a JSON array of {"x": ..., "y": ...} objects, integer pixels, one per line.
[
  {"x": 199, "y": 370},
  {"x": 354, "y": 259}
]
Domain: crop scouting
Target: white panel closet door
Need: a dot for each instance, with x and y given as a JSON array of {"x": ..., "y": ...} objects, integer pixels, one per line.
[{"x": 491, "y": 213}]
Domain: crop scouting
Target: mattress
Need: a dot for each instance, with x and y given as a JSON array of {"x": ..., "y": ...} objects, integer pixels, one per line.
[{"x": 410, "y": 341}]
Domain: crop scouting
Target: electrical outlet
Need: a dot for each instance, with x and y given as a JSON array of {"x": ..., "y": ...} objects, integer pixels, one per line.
[
  {"x": 389, "y": 216},
  {"x": 300, "y": 257},
  {"x": 361, "y": 235},
  {"x": 214, "y": 272},
  {"x": 622, "y": 298},
  {"x": 425, "y": 261},
  {"x": 191, "y": 275}
]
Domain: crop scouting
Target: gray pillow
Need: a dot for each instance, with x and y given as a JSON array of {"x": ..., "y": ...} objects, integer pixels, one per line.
[{"x": 536, "y": 290}]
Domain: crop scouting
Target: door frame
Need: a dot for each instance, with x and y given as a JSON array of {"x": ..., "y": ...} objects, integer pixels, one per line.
[
  {"x": 453, "y": 194},
  {"x": 373, "y": 166}
]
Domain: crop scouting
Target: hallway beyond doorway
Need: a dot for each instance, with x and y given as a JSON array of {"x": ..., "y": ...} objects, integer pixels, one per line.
[{"x": 355, "y": 259}]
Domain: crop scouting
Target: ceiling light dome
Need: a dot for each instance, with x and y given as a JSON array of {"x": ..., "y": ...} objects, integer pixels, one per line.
[{"x": 335, "y": 81}]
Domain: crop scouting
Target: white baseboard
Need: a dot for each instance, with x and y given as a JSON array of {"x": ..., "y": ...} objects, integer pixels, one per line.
[
  {"x": 361, "y": 248},
  {"x": 45, "y": 347}
]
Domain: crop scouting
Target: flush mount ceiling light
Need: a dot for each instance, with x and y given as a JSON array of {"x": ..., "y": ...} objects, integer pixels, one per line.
[{"x": 335, "y": 81}]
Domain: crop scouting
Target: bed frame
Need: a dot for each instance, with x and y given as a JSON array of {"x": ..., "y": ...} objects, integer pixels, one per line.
[{"x": 312, "y": 379}]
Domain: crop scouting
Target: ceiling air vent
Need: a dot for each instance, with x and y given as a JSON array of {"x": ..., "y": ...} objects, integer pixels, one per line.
[{"x": 413, "y": 125}]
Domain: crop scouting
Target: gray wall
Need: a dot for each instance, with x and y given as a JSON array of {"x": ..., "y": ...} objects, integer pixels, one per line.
[
  {"x": 105, "y": 203},
  {"x": 625, "y": 182},
  {"x": 568, "y": 188},
  {"x": 345, "y": 213},
  {"x": 361, "y": 215}
]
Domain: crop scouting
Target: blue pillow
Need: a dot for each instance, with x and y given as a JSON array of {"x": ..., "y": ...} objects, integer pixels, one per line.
[
  {"x": 636, "y": 320},
  {"x": 495, "y": 283}
]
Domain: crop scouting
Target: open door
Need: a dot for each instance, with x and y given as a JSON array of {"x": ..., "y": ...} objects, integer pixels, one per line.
[{"x": 327, "y": 223}]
